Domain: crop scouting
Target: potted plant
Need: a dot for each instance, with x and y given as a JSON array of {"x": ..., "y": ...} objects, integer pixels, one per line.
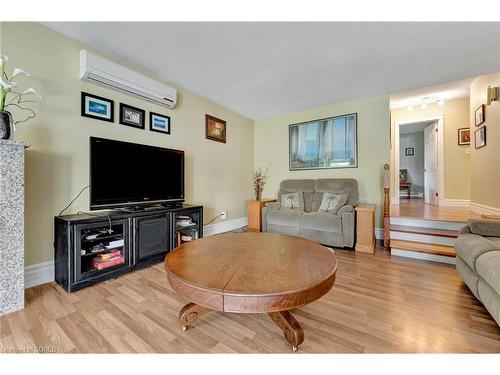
[{"x": 11, "y": 98}]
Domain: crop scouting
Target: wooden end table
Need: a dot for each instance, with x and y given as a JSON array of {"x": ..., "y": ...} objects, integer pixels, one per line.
[
  {"x": 365, "y": 228},
  {"x": 254, "y": 211},
  {"x": 251, "y": 273}
]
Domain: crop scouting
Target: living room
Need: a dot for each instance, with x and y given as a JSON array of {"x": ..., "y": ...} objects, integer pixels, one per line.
[{"x": 125, "y": 167}]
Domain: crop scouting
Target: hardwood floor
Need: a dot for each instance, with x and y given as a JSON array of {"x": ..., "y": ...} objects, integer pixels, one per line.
[
  {"x": 418, "y": 209},
  {"x": 378, "y": 304}
]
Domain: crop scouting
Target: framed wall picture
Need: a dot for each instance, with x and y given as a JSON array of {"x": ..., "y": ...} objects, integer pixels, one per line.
[
  {"x": 463, "y": 136},
  {"x": 215, "y": 129},
  {"x": 97, "y": 107},
  {"x": 328, "y": 143},
  {"x": 132, "y": 116},
  {"x": 409, "y": 151},
  {"x": 159, "y": 123},
  {"x": 479, "y": 115},
  {"x": 480, "y": 137}
]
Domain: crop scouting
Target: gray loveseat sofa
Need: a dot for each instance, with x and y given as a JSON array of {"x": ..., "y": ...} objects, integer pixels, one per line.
[
  {"x": 323, "y": 227},
  {"x": 478, "y": 262}
]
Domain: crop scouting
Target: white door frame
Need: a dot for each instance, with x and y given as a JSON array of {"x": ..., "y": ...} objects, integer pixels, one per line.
[{"x": 440, "y": 159}]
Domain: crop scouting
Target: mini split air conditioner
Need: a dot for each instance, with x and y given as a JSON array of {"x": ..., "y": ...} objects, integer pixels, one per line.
[{"x": 106, "y": 73}]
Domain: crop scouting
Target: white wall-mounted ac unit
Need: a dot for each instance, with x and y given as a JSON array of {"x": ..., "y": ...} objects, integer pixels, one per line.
[{"x": 109, "y": 74}]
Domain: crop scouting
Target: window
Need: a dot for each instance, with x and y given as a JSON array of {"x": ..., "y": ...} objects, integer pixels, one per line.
[{"x": 326, "y": 143}]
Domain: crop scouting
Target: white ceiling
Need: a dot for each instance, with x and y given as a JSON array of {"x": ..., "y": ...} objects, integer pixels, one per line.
[
  {"x": 265, "y": 69},
  {"x": 414, "y": 127},
  {"x": 445, "y": 91}
]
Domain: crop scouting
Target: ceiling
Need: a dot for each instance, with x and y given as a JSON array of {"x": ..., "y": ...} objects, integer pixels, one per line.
[
  {"x": 414, "y": 127},
  {"x": 445, "y": 91},
  {"x": 265, "y": 69}
]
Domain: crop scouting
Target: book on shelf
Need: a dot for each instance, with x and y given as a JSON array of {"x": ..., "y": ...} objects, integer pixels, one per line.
[
  {"x": 105, "y": 256},
  {"x": 115, "y": 261},
  {"x": 116, "y": 243}
]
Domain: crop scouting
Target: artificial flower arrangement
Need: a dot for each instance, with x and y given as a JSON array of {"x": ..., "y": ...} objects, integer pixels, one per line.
[{"x": 10, "y": 97}]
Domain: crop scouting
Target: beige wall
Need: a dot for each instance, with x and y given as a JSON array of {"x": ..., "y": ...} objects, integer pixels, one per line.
[
  {"x": 456, "y": 161},
  {"x": 485, "y": 162},
  {"x": 271, "y": 146},
  {"x": 218, "y": 175}
]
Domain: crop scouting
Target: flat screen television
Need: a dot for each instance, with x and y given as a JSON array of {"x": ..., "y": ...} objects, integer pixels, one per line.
[{"x": 126, "y": 174}]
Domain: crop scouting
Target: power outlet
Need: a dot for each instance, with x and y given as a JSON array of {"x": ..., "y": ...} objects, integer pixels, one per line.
[{"x": 224, "y": 215}]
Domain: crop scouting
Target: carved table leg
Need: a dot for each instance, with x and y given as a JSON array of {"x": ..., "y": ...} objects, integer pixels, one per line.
[
  {"x": 291, "y": 328},
  {"x": 190, "y": 313}
]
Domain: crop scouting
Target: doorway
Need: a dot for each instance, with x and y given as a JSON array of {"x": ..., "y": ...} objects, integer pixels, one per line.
[{"x": 418, "y": 159}]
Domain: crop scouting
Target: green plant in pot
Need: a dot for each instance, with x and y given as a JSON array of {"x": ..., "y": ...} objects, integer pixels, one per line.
[{"x": 11, "y": 98}]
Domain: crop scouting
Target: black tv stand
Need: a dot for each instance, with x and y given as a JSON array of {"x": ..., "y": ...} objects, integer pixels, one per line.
[
  {"x": 138, "y": 238},
  {"x": 171, "y": 205}
]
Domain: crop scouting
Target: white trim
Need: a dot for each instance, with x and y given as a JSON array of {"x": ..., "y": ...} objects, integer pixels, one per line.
[
  {"x": 483, "y": 209},
  {"x": 422, "y": 238},
  {"x": 440, "y": 161},
  {"x": 225, "y": 226},
  {"x": 423, "y": 223},
  {"x": 379, "y": 233},
  {"x": 454, "y": 202},
  {"x": 422, "y": 256},
  {"x": 37, "y": 274}
]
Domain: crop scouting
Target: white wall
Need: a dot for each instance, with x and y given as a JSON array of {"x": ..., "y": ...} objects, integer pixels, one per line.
[{"x": 414, "y": 164}]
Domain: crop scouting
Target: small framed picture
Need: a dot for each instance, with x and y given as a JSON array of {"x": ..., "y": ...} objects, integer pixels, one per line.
[
  {"x": 132, "y": 116},
  {"x": 463, "y": 136},
  {"x": 159, "y": 123},
  {"x": 215, "y": 129},
  {"x": 479, "y": 115},
  {"x": 480, "y": 137},
  {"x": 409, "y": 151},
  {"x": 97, "y": 107}
]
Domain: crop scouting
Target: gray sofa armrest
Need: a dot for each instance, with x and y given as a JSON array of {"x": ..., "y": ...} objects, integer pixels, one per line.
[
  {"x": 346, "y": 208},
  {"x": 265, "y": 211},
  {"x": 464, "y": 230},
  {"x": 348, "y": 224}
]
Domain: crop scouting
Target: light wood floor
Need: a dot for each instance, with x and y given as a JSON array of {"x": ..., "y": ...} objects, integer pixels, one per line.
[
  {"x": 416, "y": 208},
  {"x": 378, "y": 304}
]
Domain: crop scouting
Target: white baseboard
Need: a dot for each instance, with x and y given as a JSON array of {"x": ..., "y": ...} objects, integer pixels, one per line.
[
  {"x": 422, "y": 238},
  {"x": 483, "y": 209},
  {"x": 422, "y": 256},
  {"x": 38, "y": 274},
  {"x": 454, "y": 202},
  {"x": 379, "y": 233},
  {"x": 225, "y": 226}
]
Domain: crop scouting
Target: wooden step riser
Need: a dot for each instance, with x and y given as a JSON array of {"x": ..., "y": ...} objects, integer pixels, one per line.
[
  {"x": 422, "y": 238},
  {"x": 423, "y": 256},
  {"x": 423, "y": 247},
  {"x": 422, "y": 223}
]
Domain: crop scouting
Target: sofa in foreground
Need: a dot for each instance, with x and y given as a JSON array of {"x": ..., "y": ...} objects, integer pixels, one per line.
[
  {"x": 321, "y": 210},
  {"x": 478, "y": 262}
]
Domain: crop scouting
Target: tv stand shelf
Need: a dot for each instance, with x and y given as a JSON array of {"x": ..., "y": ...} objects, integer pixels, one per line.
[{"x": 137, "y": 239}]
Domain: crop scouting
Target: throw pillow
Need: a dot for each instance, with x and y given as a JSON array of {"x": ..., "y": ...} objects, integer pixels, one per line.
[
  {"x": 332, "y": 202},
  {"x": 295, "y": 201}
]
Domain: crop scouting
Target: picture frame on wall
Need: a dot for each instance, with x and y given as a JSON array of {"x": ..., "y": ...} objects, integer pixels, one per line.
[
  {"x": 480, "y": 137},
  {"x": 463, "y": 136},
  {"x": 132, "y": 116},
  {"x": 97, "y": 107},
  {"x": 315, "y": 144},
  {"x": 159, "y": 123},
  {"x": 215, "y": 129},
  {"x": 409, "y": 151},
  {"x": 479, "y": 115}
]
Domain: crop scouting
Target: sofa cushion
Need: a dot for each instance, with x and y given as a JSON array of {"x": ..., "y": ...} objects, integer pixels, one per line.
[
  {"x": 304, "y": 185},
  {"x": 485, "y": 227},
  {"x": 332, "y": 202},
  {"x": 294, "y": 201},
  {"x": 347, "y": 186},
  {"x": 285, "y": 217},
  {"x": 322, "y": 221},
  {"x": 470, "y": 246},
  {"x": 488, "y": 268}
]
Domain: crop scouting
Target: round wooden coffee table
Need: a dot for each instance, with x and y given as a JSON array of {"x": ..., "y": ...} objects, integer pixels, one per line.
[{"x": 251, "y": 273}]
